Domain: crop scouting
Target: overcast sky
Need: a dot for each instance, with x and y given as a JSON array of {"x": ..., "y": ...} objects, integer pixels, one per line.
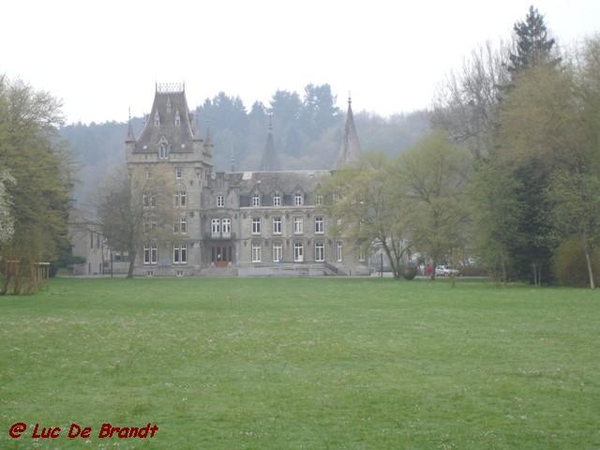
[{"x": 103, "y": 57}]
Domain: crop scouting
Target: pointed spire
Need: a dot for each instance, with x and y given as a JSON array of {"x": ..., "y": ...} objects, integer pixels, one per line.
[
  {"x": 269, "y": 161},
  {"x": 130, "y": 136},
  {"x": 350, "y": 150},
  {"x": 208, "y": 145}
]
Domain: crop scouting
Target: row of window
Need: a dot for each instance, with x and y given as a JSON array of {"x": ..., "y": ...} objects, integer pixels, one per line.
[
  {"x": 297, "y": 222},
  {"x": 276, "y": 200},
  {"x": 298, "y": 255},
  {"x": 151, "y": 254},
  {"x": 179, "y": 199}
]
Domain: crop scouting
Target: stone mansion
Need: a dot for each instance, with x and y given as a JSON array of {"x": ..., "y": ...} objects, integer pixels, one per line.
[{"x": 263, "y": 223}]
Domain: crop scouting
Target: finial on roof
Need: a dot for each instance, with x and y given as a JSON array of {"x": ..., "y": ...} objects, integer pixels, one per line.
[
  {"x": 271, "y": 122},
  {"x": 349, "y": 98},
  {"x": 130, "y": 136}
]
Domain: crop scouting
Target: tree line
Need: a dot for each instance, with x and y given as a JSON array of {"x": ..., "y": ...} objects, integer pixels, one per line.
[{"x": 510, "y": 174}]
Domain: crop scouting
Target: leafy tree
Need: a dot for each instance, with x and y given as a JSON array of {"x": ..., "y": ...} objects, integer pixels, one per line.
[
  {"x": 370, "y": 211},
  {"x": 539, "y": 132},
  {"x": 495, "y": 214},
  {"x": 40, "y": 172},
  {"x": 575, "y": 182},
  {"x": 432, "y": 178},
  {"x": 7, "y": 225},
  {"x": 136, "y": 208}
]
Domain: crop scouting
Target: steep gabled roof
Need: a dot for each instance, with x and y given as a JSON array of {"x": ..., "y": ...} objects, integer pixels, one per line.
[
  {"x": 350, "y": 149},
  {"x": 169, "y": 117},
  {"x": 269, "y": 161}
]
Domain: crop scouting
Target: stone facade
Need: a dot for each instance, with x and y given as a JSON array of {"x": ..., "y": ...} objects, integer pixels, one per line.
[{"x": 264, "y": 223}]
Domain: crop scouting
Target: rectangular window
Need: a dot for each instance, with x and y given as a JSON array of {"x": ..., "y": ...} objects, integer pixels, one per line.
[
  {"x": 362, "y": 254},
  {"x": 149, "y": 224},
  {"x": 276, "y": 225},
  {"x": 298, "y": 225},
  {"x": 256, "y": 225},
  {"x": 220, "y": 201},
  {"x": 319, "y": 251},
  {"x": 298, "y": 252},
  {"x": 183, "y": 253},
  {"x": 256, "y": 200},
  {"x": 319, "y": 199},
  {"x": 153, "y": 254},
  {"x": 183, "y": 198},
  {"x": 277, "y": 252},
  {"x": 319, "y": 225},
  {"x": 178, "y": 173},
  {"x": 180, "y": 254},
  {"x": 339, "y": 253},
  {"x": 226, "y": 226},
  {"x": 256, "y": 253},
  {"x": 215, "y": 226},
  {"x": 91, "y": 239},
  {"x": 276, "y": 200},
  {"x": 176, "y": 226},
  {"x": 146, "y": 254},
  {"x": 298, "y": 200},
  {"x": 183, "y": 225}
]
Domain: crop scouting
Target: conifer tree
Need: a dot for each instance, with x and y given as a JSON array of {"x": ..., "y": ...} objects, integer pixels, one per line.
[{"x": 533, "y": 47}]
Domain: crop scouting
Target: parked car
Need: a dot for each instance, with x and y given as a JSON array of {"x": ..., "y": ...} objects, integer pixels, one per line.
[{"x": 446, "y": 271}]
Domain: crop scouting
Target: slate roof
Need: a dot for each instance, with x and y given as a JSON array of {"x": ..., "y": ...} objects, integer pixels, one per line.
[
  {"x": 169, "y": 119},
  {"x": 284, "y": 181},
  {"x": 350, "y": 149},
  {"x": 269, "y": 160}
]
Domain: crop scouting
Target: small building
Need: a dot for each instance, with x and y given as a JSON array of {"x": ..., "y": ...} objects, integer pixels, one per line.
[{"x": 87, "y": 242}]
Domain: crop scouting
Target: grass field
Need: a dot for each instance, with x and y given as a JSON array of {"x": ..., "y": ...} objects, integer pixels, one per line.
[{"x": 302, "y": 364}]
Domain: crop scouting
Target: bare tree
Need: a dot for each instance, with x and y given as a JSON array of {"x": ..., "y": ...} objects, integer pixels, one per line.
[{"x": 137, "y": 208}]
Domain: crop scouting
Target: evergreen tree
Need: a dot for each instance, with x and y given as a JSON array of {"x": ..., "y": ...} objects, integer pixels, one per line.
[{"x": 533, "y": 47}]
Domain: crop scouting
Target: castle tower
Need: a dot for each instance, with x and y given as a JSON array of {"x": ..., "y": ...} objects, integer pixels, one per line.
[
  {"x": 167, "y": 156},
  {"x": 350, "y": 149}
]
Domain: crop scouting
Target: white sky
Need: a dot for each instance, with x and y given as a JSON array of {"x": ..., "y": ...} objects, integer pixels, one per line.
[{"x": 104, "y": 57}]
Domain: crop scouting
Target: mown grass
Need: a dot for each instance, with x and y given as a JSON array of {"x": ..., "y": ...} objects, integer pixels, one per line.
[{"x": 303, "y": 364}]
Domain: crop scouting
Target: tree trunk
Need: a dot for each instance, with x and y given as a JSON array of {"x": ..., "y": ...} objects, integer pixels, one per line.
[
  {"x": 132, "y": 256},
  {"x": 588, "y": 261}
]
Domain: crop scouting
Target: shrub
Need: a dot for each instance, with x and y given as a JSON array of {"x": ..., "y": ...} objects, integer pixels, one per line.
[
  {"x": 570, "y": 265},
  {"x": 409, "y": 272}
]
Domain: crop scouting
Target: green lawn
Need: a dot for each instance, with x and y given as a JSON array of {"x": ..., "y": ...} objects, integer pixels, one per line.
[{"x": 303, "y": 364}]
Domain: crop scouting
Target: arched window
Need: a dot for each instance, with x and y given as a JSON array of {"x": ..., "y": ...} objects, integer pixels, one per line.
[{"x": 163, "y": 149}]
